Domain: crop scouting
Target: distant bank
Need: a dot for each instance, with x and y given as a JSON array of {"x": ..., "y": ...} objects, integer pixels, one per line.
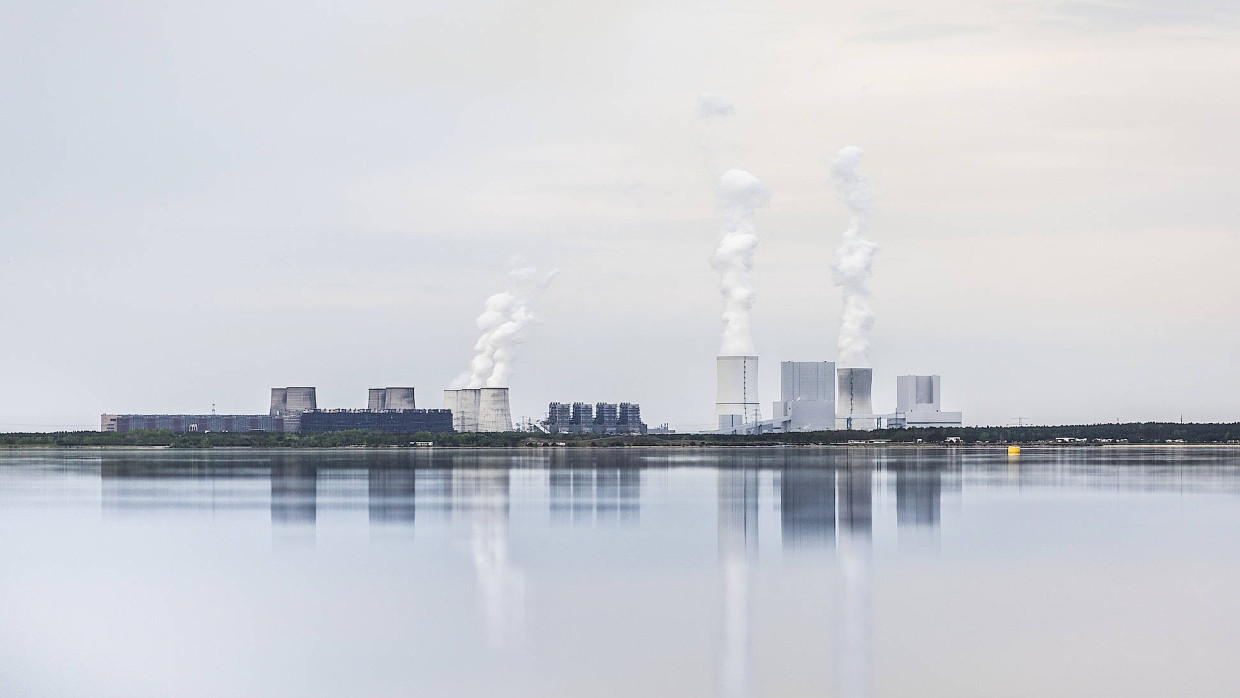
[{"x": 1146, "y": 433}]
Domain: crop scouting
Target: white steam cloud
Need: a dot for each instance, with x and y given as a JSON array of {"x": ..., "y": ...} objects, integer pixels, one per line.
[
  {"x": 504, "y": 318},
  {"x": 854, "y": 259},
  {"x": 740, "y": 196},
  {"x": 711, "y": 105}
]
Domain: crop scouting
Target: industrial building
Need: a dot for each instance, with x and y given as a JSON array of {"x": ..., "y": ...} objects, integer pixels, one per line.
[
  {"x": 291, "y": 403},
  {"x": 295, "y": 409},
  {"x": 400, "y": 421},
  {"x": 736, "y": 397},
  {"x": 599, "y": 418},
  {"x": 818, "y": 396},
  {"x": 918, "y": 404},
  {"x": 807, "y": 396},
  {"x": 182, "y": 423},
  {"x": 479, "y": 409}
]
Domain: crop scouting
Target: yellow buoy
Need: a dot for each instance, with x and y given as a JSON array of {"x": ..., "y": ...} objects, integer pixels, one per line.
[{"x": 1013, "y": 450}]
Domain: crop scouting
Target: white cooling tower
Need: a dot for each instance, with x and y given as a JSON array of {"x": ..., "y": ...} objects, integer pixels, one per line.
[
  {"x": 736, "y": 400},
  {"x": 398, "y": 399},
  {"x": 854, "y": 408},
  {"x": 376, "y": 400},
  {"x": 494, "y": 414},
  {"x": 479, "y": 409}
]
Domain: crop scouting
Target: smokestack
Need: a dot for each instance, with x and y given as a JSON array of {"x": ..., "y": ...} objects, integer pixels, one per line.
[{"x": 736, "y": 400}]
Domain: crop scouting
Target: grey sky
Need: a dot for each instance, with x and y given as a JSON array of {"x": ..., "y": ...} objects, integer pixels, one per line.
[{"x": 200, "y": 202}]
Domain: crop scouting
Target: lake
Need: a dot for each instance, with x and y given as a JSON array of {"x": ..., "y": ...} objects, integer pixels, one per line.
[{"x": 1081, "y": 571}]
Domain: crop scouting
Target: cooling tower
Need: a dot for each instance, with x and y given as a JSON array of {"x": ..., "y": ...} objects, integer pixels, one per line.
[
  {"x": 464, "y": 406},
  {"x": 494, "y": 414},
  {"x": 736, "y": 400},
  {"x": 376, "y": 400},
  {"x": 398, "y": 399},
  {"x": 279, "y": 401},
  {"x": 853, "y": 407},
  {"x": 854, "y": 391},
  {"x": 301, "y": 400},
  {"x": 479, "y": 409}
]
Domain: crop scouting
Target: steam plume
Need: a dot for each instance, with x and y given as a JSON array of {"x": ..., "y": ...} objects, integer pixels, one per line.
[
  {"x": 710, "y": 104},
  {"x": 504, "y": 318},
  {"x": 740, "y": 196},
  {"x": 854, "y": 259}
]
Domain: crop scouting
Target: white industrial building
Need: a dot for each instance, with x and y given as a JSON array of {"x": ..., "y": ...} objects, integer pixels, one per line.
[
  {"x": 818, "y": 396},
  {"x": 807, "y": 396},
  {"x": 918, "y": 404}
]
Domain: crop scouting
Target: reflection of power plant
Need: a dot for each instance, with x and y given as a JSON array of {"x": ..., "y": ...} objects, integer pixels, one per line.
[
  {"x": 738, "y": 547},
  {"x": 593, "y": 496}
]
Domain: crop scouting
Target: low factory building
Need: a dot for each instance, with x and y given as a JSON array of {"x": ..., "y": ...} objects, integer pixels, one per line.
[
  {"x": 389, "y": 421},
  {"x": 183, "y": 423}
]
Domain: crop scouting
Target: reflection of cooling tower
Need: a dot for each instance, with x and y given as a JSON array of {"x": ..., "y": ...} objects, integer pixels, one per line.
[
  {"x": 301, "y": 400},
  {"x": 376, "y": 400},
  {"x": 279, "y": 401},
  {"x": 478, "y": 409},
  {"x": 736, "y": 400},
  {"x": 854, "y": 391},
  {"x": 398, "y": 399}
]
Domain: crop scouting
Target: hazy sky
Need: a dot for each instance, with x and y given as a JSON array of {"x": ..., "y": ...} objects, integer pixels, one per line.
[{"x": 201, "y": 201}]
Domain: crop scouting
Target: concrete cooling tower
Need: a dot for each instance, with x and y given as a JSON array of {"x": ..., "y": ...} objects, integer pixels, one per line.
[
  {"x": 376, "y": 400},
  {"x": 854, "y": 410},
  {"x": 398, "y": 399},
  {"x": 279, "y": 401},
  {"x": 736, "y": 400},
  {"x": 479, "y": 409},
  {"x": 301, "y": 399}
]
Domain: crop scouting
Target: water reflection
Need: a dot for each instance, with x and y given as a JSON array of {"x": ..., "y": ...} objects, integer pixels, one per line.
[
  {"x": 738, "y": 548},
  {"x": 503, "y": 515}
]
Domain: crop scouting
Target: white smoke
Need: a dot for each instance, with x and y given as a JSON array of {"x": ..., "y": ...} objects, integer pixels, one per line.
[
  {"x": 740, "y": 196},
  {"x": 711, "y": 105},
  {"x": 854, "y": 259},
  {"x": 504, "y": 318}
]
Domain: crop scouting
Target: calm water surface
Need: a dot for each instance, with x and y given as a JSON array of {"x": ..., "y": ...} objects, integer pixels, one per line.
[{"x": 628, "y": 572}]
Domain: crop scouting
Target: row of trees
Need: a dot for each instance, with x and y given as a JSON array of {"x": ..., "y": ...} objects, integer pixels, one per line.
[{"x": 1136, "y": 433}]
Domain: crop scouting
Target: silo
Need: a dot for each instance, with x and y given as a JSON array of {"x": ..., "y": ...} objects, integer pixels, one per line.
[
  {"x": 376, "y": 400},
  {"x": 854, "y": 398},
  {"x": 736, "y": 400},
  {"x": 494, "y": 413},
  {"x": 301, "y": 400},
  {"x": 399, "y": 399},
  {"x": 279, "y": 401}
]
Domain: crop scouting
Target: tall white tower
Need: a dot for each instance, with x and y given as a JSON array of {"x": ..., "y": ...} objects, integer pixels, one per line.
[{"x": 736, "y": 401}]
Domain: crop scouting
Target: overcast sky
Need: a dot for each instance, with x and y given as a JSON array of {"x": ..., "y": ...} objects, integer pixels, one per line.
[{"x": 199, "y": 201}]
